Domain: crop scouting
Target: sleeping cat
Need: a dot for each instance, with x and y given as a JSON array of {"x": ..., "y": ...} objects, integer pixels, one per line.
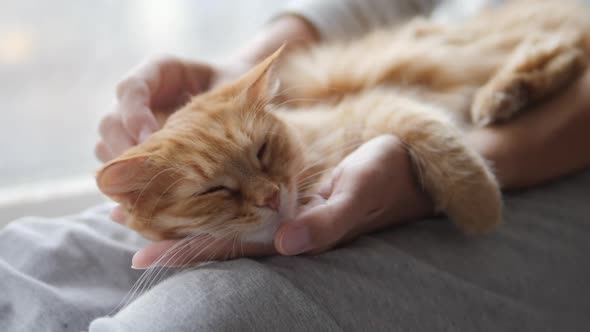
[{"x": 243, "y": 157}]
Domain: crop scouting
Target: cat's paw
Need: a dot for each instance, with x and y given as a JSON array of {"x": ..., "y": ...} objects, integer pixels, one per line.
[
  {"x": 498, "y": 102},
  {"x": 539, "y": 68}
]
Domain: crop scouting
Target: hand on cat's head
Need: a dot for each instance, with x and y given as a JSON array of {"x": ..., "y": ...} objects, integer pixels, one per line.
[
  {"x": 352, "y": 203},
  {"x": 149, "y": 93},
  {"x": 223, "y": 165}
]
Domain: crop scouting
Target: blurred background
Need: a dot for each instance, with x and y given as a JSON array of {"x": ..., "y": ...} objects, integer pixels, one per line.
[{"x": 59, "y": 63}]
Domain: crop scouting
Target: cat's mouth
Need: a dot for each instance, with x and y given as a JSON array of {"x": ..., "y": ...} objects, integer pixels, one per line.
[{"x": 271, "y": 220}]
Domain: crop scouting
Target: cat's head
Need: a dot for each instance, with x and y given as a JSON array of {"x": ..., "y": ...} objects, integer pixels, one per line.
[{"x": 222, "y": 165}]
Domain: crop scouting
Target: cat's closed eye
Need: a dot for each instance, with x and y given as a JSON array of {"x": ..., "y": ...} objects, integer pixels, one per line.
[
  {"x": 261, "y": 152},
  {"x": 212, "y": 190}
]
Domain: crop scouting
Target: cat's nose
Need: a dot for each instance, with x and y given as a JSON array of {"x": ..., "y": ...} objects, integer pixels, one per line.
[
  {"x": 274, "y": 201},
  {"x": 271, "y": 201}
]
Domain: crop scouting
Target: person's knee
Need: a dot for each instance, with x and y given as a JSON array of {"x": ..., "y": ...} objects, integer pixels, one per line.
[{"x": 239, "y": 295}]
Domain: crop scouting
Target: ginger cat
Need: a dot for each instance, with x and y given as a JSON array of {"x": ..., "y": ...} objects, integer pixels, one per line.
[{"x": 241, "y": 158}]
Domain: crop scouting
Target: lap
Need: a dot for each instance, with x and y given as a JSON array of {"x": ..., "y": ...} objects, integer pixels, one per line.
[
  {"x": 59, "y": 274},
  {"x": 530, "y": 275}
]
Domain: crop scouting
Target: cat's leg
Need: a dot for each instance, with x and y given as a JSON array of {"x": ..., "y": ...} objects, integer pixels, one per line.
[
  {"x": 457, "y": 178},
  {"x": 540, "y": 66}
]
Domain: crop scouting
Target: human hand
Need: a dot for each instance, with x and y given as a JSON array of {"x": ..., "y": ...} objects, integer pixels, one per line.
[
  {"x": 372, "y": 188},
  {"x": 161, "y": 84}
]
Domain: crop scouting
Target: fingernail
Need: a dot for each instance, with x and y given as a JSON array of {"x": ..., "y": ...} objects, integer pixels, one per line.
[
  {"x": 295, "y": 241},
  {"x": 133, "y": 259},
  {"x": 144, "y": 134}
]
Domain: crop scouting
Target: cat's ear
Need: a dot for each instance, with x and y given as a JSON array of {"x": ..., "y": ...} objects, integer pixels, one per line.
[
  {"x": 261, "y": 83},
  {"x": 124, "y": 179}
]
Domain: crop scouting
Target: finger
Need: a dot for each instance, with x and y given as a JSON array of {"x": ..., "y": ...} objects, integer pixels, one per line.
[
  {"x": 114, "y": 135},
  {"x": 102, "y": 152},
  {"x": 118, "y": 215},
  {"x": 178, "y": 81},
  {"x": 196, "y": 250},
  {"x": 145, "y": 257},
  {"x": 134, "y": 95},
  {"x": 318, "y": 228}
]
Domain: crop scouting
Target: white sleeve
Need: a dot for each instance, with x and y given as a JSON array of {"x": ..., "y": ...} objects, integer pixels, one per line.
[{"x": 346, "y": 19}]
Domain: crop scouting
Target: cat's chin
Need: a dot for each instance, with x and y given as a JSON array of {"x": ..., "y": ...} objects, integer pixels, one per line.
[{"x": 262, "y": 234}]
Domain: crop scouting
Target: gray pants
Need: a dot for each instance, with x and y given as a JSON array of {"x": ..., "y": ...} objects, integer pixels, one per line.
[{"x": 533, "y": 275}]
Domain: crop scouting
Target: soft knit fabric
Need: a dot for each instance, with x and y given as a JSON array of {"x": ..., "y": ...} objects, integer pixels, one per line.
[{"x": 532, "y": 275}]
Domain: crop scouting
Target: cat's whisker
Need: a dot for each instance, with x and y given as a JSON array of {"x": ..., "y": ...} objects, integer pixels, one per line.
[
  {"x": 136, "y": 289},
  {"x": 155, "y": 271},
  {"x": 138, "y": 284},
  {"x": 241, "y": 246},
  {"x": 330, "y": 140},
  {"x": 213, "y": 242},
  {"x": 306, "y": 187},
  {"x": 168, "y": 254},
  {"x": 342, "y": 150},
  {"x": 233, "y": 246},
  {"x": 311, "y": 177},
  {"x": 172, "y": 262},
  {"x": 284, "y": 91},
  {"x": 147, "y": 185},
  {"x": 155, "y": 205},
  {"x": 279, "y": 105},
  {"x": 308, "y": 196}
]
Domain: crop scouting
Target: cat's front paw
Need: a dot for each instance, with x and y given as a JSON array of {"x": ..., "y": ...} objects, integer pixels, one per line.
[{"x": 498, "y": 102}]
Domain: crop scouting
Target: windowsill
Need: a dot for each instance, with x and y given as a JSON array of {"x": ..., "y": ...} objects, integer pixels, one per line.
[{"x": 48, "y": 198}]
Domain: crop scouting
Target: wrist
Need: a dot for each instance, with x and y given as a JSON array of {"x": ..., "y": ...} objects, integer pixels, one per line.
[
  {"x": 403, "y": 197},
  {"x": 294, "y": 30},
  {"x": 416, "y": 202}
]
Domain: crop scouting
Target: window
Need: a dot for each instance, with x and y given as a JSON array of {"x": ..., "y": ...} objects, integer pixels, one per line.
[{"x": 59, "y": 64}]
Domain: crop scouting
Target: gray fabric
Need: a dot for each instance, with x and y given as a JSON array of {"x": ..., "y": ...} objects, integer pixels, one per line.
[
  {"x": 349, "y": 19},
  {"x": 532, "y": 275}
]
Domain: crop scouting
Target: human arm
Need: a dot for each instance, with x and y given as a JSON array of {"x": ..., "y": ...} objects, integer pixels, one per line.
[{"x": 542, "y": 144}]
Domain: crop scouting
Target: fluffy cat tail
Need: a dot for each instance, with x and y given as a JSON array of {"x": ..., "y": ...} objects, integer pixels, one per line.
[{"x": 457, "y": 177}]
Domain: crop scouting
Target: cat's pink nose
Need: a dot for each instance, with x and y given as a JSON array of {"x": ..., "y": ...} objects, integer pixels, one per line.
[{"x": 272, "y": 201}]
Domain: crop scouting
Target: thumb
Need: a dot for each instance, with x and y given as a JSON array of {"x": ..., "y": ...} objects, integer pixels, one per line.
[{"x": 317, "y": 229}]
